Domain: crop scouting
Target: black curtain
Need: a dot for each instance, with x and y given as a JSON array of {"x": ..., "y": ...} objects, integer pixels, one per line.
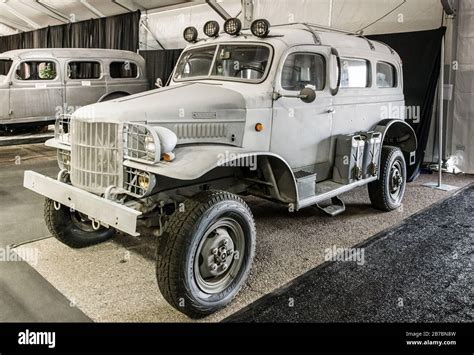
[
  {"x": 160, "y": 64},
  {"x": 114, "y": 32},
  {"x": 420, "y": 53}
]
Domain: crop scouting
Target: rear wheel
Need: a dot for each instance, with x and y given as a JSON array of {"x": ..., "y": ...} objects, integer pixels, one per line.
[
  {"x": 72, "y": 227},
  {"x": 387, "y": 192},
  {"x": 206, "y": 253}
]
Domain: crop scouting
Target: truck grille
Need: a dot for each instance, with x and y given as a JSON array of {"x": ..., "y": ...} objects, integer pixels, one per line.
[{"x": 96, "y": 156}]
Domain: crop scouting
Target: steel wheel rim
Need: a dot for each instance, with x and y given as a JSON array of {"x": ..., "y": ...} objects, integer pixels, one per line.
[
  {"x": 227, "y": 236},
  {"x": 82, "y": 222},
  {"x": 396, "y": 181}
]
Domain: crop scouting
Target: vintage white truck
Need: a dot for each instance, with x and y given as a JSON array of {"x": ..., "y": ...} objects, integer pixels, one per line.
[{"x": 293, "y": 114}]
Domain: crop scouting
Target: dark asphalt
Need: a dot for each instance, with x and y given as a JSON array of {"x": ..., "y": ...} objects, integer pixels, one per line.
[{"x": 418, "y": 271}]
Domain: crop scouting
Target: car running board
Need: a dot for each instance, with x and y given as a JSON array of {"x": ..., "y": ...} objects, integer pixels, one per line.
[{"x": 336, "y": 207}]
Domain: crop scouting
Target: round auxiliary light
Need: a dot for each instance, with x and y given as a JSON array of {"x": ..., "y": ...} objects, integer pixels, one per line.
[
  {"x": 144, "y": 181},
  {"x": 190, "y": 34},
  {"x": 211, "y": 29},
  {"x": 260, "y": 28},
  {"x": 233, "y": 26}
]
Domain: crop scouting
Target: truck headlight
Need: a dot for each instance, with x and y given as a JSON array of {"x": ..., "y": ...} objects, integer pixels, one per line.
[
  {"x": 150, "y": 145},
  {"x": 141, "y": 143}
]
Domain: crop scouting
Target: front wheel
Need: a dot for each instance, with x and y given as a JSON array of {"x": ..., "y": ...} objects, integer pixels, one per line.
[
  {"x": 387, "y": 192},
  {"x": 72, "y": 227},
  {"x": 206, "y": 253}
]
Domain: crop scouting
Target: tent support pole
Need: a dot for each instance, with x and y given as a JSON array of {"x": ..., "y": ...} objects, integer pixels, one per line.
[{"x": 439, "y": 185}]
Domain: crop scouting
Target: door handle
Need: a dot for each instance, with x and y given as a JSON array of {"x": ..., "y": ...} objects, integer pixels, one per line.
[{"x": 331, "y": 110}]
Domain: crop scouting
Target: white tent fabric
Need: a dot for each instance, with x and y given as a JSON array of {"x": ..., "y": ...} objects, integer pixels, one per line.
[
  {"x": 463, "y": 122},
  {"x": 344, "y": 14}
]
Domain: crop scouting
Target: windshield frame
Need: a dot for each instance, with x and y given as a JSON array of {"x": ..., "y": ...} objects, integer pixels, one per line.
[{"x": 225, "y": 78}]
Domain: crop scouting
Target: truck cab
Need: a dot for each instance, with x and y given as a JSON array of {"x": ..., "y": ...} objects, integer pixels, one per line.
[{"x": 295, "y": 114}]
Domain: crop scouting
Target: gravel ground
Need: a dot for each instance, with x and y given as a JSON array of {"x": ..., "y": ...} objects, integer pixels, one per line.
[{"x": 115, "y": 281}]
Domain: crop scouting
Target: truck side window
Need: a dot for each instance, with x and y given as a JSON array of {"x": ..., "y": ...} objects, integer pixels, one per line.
[
  {"x": 302, "y": 70},
  {"x": 123, "y": 70},
  {"x": 84, "y": 70},
  {"x": 386, "y": 75},
  {"x": 36, "y": 70},
  {"x": 354, "y": 73}
]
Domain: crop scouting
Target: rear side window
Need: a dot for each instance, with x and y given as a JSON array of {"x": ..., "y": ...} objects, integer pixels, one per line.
[
  {"x": 84, "y": 70},
  {"x": 386, "y": 75},
  {"x": 5, "y": 66},
  {"x": 123, "y": 70},
  {"x": 355, "y": 73},
  {"x": 302, "y": 70},
  {"x": 36, "y": 70}
]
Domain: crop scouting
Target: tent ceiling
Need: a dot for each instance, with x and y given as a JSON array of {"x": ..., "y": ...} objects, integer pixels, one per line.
[{"x": 25, "y": 15}]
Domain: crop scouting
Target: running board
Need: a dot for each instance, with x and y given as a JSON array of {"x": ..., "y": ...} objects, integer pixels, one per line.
[
  {"x": 336, "y": 207},
  {"x": 326, "y": 190}
]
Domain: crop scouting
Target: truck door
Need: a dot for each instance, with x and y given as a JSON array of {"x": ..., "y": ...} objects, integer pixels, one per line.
[
  {"x": 36, "y": 90},
  {"x": 301, "y": 132},
  {"x": 85, "y": 83}
]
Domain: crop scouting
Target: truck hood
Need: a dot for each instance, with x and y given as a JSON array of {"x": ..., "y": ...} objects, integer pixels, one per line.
[
  {"x": 195, "y": 112},
  {"x": 178, "y": 103}
]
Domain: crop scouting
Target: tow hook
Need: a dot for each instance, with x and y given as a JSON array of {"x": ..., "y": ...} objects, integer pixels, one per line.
[{"x": 95, "y": 224}]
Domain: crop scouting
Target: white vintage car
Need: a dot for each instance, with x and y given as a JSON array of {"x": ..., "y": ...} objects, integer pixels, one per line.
[
  {"x": 37, "y": 85},
  {"x": 293, "y": 114}
]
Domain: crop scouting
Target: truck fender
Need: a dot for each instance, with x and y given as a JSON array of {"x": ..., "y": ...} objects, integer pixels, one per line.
[
  {"x": 398, "y": 133},
  {"x": 193, "y": 162}
]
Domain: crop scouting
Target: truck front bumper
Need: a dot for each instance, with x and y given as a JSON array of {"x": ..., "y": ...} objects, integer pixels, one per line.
[{"x": 97, "y": 208}]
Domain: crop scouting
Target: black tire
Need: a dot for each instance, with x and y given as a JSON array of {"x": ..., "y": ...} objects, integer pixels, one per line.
[
  {"x": 65, "y": 226},
  {"x": 180, "y": 258},
  {"x": 384, "y": 193}
]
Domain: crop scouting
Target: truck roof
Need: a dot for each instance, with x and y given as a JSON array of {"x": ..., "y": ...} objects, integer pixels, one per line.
[
  {"x": 71, "y": 53},
  {"x": 304, "y": 34}
]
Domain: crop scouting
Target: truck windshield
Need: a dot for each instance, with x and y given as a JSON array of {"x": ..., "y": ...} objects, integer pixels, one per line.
[
  {"x": 5, "y": 66},
  {"x": 226, "y": 61}
]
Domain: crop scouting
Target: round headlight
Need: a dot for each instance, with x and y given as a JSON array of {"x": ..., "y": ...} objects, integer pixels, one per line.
[
  {"x": 211, "y": 29},
  {"x": 233, "y": 26},
  {"x": 150, "y": 145},
  {"x": 144, "y": 181},
  {"x": 190, "y": 34},
  {"x": 260, "y": 28}
]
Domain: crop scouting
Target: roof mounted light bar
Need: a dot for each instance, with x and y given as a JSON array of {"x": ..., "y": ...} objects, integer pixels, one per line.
[{"x": 191, "y": 34}]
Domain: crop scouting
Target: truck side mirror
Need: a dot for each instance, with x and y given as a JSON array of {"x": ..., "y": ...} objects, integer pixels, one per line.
[
  {"x": 159, "y": 83},
  {"x": 307, "y": 95}
]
